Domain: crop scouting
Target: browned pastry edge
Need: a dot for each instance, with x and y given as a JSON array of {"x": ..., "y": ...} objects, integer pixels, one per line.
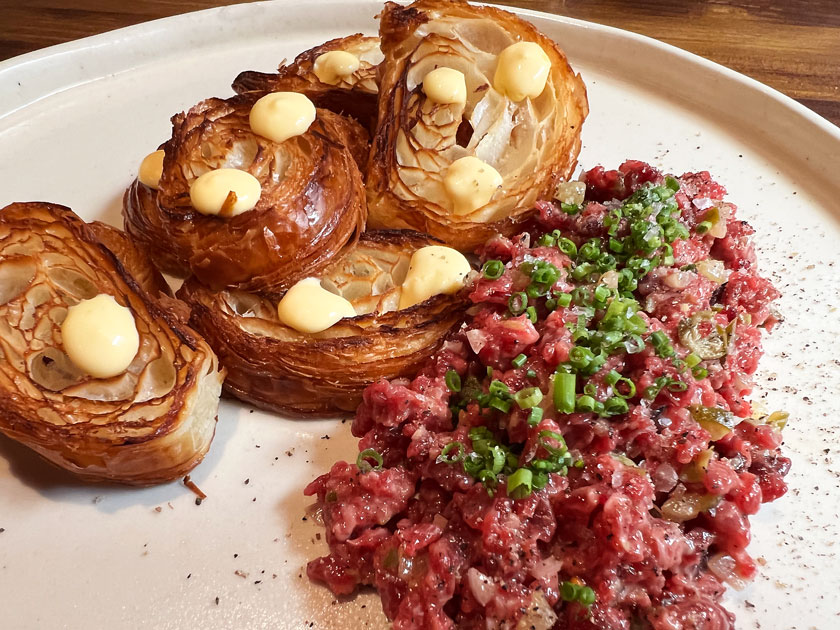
[
  {"x": 85, "y": 436},
  {"x": 386, "y": 209},
  {"x": 317, "y": 375},
  {"x": 302, "y": 220},
  {"x": 355, "y": 101}
]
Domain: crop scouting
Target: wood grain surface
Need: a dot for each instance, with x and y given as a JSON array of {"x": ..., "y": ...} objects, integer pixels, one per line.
[{"x": 791, "y": 45}]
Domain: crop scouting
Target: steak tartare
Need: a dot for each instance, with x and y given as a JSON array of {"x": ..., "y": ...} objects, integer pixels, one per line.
[{"x": 582, "y": 454}]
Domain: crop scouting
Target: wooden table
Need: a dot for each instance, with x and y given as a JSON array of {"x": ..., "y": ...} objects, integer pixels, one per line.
[{"x": 792, "y": 45}]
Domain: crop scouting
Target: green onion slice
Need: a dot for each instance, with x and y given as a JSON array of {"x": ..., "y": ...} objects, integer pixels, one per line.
[
  {"x": 446, "y": 457},
  {"x": 493, "y": 269},
  {"x": 453, "y": 381},
  {"x": 364, "y": 465},
  {"x": 520, "y": 484}
]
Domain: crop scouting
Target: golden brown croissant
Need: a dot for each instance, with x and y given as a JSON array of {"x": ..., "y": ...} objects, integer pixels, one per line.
[
  {"x": 311, "y": 205},
  {"x": 149, "y": 424},
  {"x": 277, "y": 368},
  {"x": 532, "y": 143},
  {"x": 351, "y": 95},
  {"x": 134, "y": 260}
]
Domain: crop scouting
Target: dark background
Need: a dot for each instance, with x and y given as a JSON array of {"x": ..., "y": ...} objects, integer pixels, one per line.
[{"x": 792, "y": 45}]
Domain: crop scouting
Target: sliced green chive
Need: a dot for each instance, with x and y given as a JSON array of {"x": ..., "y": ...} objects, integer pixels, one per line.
[
  {"x": 528, "y": 397},
  {"x": 615, "y": 406},
  {"x": 585, "y": 404},
  {"x": 520, "y": 484},
  {"x": 364, "y": 465},
  {"x": 517, "y": 303},
  {"x": 624, "y": 388},
  {"x": 569, "y": 591},
  {"x": 535, "y": 416},
  {"x": 448, "y": 457},
  {"x": 703, "y": 227},
  {"x": 519, "y": 360},
  {"x": 564, "y": 392},
  {"x": 493, "y": 269},
  {"x": 531, "y": 312},
  {"x": 531, "y": 374},
  {"x": 564, "y": 299},
  {"x": 546, "y": 437},
  {"x": 586, "y": 596},
  {"x": 580, "y": 357},
  {"x": 567, "y": 246},
  {"x": 453, "y": 381},
  {"x": 499, "y": 405},
  {"x": 601, "y": 293}
]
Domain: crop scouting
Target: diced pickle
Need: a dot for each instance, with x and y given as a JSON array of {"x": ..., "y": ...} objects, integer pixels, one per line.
[
  {"x": 713, "y": 345},
  {"x": 695, "y": 471},
  {"x": 680, "y": 508},
  {"x": 716, "y": 421}
]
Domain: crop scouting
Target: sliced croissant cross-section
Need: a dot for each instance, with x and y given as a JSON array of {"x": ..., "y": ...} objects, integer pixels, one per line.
[
  {"x": 150, "y": 422},
  {"x": 507, "y": 99},
  {"x": 286, "y": 208},
  {"x": 277, "y": 367},
  {"x": 329, "y": 76}
]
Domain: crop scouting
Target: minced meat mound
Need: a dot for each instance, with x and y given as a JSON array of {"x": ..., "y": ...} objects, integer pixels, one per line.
[{"x": 582, "y": 454}]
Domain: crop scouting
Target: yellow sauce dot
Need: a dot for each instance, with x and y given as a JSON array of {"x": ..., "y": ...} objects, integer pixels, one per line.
[
  {"x": 151, "y": 168},
  {"x": 100, "y": 336},
  {"x": 522, "y": 71},
  {"x": 225, "y": 191},
  {"x": 333, "y": 66},
  {"x": 433, "y": 270},
  {"x": 309, "y": 308},
  {"x": 470, "y": 184},
  {"x": 281, "y": 115},
  {"x": 445, "y": 86}
]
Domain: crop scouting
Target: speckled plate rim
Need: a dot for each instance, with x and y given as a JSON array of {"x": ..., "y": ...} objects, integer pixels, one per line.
[
  {"x": 801, "y": 141},
  {"x": 27, "y": 78}
]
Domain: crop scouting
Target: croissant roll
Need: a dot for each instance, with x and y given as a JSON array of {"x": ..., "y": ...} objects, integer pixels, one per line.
[
  {"x": 150, "y": 423},
  {"x": 354, "y": 94},
  {"x": 311, "y": 203},
  {"x": 532, "y": 143},
  {"x": 135, "y": 261},
  {"x": 280, "y": 369}
]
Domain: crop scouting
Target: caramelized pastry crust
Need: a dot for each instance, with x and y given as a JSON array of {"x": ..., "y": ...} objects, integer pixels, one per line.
[
  {"x": 280, "y": 369},
  {"x": 532, "y": 143},
  {"x": 312, "y": 203},
  {"x": 152, "y": 423},
  {"x": 354, "y": 95}
]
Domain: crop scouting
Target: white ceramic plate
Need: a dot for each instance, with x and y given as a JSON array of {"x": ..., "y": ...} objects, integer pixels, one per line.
[{"x": 76, "y": 119}]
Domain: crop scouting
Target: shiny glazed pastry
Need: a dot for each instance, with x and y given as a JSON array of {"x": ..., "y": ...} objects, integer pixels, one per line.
[
  {"x": 71, "y": 307},
  {"x": 297, "y": 202},
  {"x": 339, "y": 75},
  {"x": 276, "y": 367},
  {"x": 508, "y": 101}
]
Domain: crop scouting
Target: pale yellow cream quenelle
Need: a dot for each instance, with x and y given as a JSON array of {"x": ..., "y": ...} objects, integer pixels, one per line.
[
  {"x": 522, "y": 71},
  {"x": 470, "y": 183},
  {"x": 226, "y": 191},
  {"x": 281, "y": 115},
  {"x": 433, "y": 270},
  {"x": 151, "y": 169},
  {"x": 308, "y": 307},
  {"x": 445, "y": 86},
  {"x": 335, "y": 65},
  {"x": 100, "y": 336}
]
